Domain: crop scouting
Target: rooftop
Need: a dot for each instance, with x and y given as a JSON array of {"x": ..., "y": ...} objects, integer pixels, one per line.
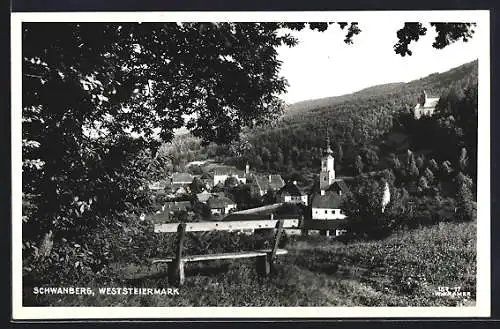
[
  {"x": 218, "y": 201},
  {"x": 331, "y": 200},
  {"x": 292, "y": 189},
  {"x": 178, "y": 178},
  {"x": 270, "y": 182}
]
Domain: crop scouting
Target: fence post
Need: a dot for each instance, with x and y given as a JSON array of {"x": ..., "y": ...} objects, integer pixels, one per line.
[
  {"x": 279, "y": 231},
  {"x": 263, "y": 265},
  {"x": 176, "y": 269}
]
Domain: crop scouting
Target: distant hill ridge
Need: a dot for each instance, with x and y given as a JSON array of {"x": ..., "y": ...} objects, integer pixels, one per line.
[{"x": 434, "y": 81}]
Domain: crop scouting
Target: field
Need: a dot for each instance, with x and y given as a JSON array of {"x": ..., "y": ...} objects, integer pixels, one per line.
[{"x": 404, "y": 269}]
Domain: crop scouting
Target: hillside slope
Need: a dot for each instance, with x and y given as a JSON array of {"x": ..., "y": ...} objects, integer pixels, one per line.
[
  {"x": 404, "y": 269},
  {"x": 435, "y": 83},
  {"x": 352, "y": 121}
]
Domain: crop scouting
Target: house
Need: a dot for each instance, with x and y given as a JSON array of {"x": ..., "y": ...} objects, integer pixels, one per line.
[
  {"x": 222, "y": 173},
  {"x": 173, "y": 206},
  {"x": 178, "y": 180},
  {"x": 181, "y": 179},
  {"x": 326, "y": 203},
  {"x": 263, "y": 184},
  {"x": 327, "y": 206},
  {"x": 204, "y": 196},
  {"x": 425, "y": 106},
  {"x": 207, "y": 181},
  {"x": 291, "y": 193},
  {"x": 164, "y": 215},
  {"x": 220, "y": 204}
]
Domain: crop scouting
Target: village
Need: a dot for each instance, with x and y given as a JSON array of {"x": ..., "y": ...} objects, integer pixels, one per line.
[
  {"x": 203, "y": 192},
  {"x": 185, "y": 196}
]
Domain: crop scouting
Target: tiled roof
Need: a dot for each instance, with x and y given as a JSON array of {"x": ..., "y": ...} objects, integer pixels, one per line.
[
  {"x": 182, "y": 178},
  {"x": 228, "y": 171},
  {"x": 292, "y": 189},
  {"x": 330, "y": 200},
  {"x": 271, "y": 182},
  {"x": 218, "y": 201},
  {"x": 339, "y": 184}
]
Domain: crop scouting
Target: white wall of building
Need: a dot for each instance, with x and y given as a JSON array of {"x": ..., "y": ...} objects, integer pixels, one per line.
[
  {"x": 216, "y": 211},
  {"x": 327, "y": 213},
  {"x": 296, "y": 199},
  {"x": 229, "y": 207},
  {"x": 223, "y": 211},
  {"x": 219, "y": 178}
]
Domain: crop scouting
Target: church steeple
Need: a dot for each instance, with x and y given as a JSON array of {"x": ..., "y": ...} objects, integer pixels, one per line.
[
  {"x": 327, "y": 174},
  {"x": 328, "y": 149}
]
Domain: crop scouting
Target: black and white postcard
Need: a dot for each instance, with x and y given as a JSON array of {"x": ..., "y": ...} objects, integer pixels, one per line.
[{"x": 250, "y": 164}]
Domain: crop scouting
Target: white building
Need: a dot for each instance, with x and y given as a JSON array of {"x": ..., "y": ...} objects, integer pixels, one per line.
[
  {"x": 223, "y": 173},
  {"x": 326, "y": 205},
  {"x": 291, "y": 193},
  {"x": 425, "y": 107},
  {"x": 221, "y": 205}
]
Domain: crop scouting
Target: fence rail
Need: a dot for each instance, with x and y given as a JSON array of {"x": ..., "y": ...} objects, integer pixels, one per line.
[{"x": 228, "y": 225}]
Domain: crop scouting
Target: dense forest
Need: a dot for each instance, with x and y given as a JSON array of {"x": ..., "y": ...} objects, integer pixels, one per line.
[
  {"x": 357, "y": 121},
  {"x": 368, "y": 130}
]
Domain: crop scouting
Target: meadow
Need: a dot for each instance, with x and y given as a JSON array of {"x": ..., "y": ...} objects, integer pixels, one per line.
[{"x": 404, "y": 269}]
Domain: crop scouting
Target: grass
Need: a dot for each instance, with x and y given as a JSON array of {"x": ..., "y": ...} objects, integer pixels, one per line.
[{"x": 404, "y": 269}]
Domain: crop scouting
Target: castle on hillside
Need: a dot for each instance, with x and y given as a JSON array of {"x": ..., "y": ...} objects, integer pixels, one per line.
[{"x": 425, "y": 106}]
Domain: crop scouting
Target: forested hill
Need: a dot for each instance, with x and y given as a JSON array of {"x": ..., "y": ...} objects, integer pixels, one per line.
[
  {"x": 354, "y": 122},
  {"x": 434, "y": 83},
  {"x": 312, "y": 104}
]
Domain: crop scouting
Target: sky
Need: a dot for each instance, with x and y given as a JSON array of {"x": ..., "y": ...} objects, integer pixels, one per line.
[{"x": 322, "y": 65}]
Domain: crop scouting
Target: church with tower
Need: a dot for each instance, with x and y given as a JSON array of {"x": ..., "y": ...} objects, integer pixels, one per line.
[{"x": 326, "y": 202}]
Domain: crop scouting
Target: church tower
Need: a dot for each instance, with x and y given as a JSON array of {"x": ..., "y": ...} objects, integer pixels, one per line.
[{"x": 327, "y": 174}]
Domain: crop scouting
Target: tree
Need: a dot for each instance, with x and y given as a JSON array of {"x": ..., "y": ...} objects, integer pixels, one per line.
[
  {"x": 266, "y": 156},
  {"x": 258, "y": 163},
  {"x": 423, "y": 185},
  {"x": 358, "y": 165},
  {"x": 412, "y": 168},
  {"x": 409, "y": 158},
  {"x": 363, "y": 206},
  {"x": 244, "y": 198},
  {"x": 463, "y": 160},
  {"x": 429, "y": 175},
  {"x": 464, "y": 197},
  {"x": 278, "y": 158},
  {"x": 389, "y": 176},
  {"x": 394, "y": 161},
  {"x": 447, "y": 33},
  {"x": 339, "y": 152},
  {"x": 372, "y": 158},
  {"x": 231, "y": 182},
  {"x": 433, "y": 165},
  {"x": 197, "y": 186},
  {"x": 419, "y": 161}
]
